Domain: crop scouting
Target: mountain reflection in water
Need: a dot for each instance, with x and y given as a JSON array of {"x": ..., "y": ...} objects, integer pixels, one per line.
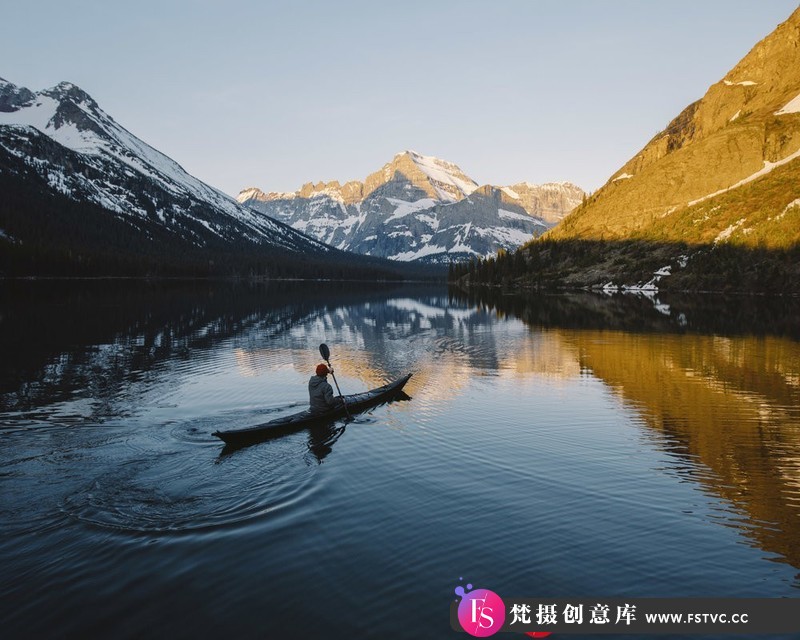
[
  {"x": 647, "y": 446},
  {"x": 727, "y": 405}
]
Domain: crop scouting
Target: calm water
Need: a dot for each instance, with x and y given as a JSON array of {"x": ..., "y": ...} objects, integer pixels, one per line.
[{"x": 559, "y": 445}]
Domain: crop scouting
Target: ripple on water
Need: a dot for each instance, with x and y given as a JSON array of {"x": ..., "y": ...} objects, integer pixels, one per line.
[
  {"x": 173, "y": 487},
  {"x": 198, "y": 431}
]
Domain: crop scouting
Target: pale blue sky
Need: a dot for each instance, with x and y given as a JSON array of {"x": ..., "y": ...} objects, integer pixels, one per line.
[{"x": 274, "y": 94}]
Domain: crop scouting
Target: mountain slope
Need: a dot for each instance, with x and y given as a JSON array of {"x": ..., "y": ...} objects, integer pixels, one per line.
[
  {"x": 75, "y": 182},
  {"x": 120, "y": 172},
  {"x": 712, "y": 203},
  {"x": 725, "y": 170},
  {"x": 418, "y": 208}
]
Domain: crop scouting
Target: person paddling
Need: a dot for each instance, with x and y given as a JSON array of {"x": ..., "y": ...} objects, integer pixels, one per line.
[{"x": 320, "y": 392}]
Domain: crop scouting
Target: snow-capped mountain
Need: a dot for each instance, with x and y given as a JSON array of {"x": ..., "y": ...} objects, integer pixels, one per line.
[
  {"x": 418, "y": 207},
  {"x": 60, "y": 136}
]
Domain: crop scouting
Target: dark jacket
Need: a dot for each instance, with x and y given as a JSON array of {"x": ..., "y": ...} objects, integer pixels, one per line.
[{"x": 320, "y": 395}]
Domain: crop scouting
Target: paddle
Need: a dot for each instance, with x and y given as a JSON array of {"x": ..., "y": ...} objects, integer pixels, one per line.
[{"x": 326, "y": 356}]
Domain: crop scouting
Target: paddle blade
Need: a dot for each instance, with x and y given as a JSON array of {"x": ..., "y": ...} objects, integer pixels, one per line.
[{"x": 324, "y": 351}]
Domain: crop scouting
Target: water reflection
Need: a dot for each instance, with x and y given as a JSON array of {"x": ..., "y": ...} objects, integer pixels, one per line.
[
  {"x": 321, "y": 439},
  {"x": 726, "y": 406},
  {"x": 640, "y": 313},
  {"x": 109, "y": 394},
  {"x": 107, "y": 342}
]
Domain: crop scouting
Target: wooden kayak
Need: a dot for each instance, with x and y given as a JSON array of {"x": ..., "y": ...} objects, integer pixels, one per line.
[{"x": 356, "y": 403}]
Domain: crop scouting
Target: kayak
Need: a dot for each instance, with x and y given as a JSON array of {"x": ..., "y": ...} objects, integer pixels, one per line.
[{"x": 356, "y": 403}]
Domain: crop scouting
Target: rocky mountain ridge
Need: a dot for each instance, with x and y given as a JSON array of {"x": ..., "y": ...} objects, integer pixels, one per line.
[
  {"x": 76, "y": 184},
  {"x": 419, "y": 207},
  {"x": 723, "y": 171},
  {"x": 711, "y": 203}
]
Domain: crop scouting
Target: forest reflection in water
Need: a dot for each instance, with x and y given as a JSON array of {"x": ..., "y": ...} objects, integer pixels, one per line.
[
  {"x": 666, "y": 428},
  {"x": 716, "y": 380}
]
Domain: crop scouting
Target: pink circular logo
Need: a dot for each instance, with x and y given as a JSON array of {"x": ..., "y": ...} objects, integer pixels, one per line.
[{"x": 481, "y": 613}]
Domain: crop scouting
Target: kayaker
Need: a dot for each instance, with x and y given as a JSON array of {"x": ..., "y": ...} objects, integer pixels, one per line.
[{"x": 320, "y": 393}]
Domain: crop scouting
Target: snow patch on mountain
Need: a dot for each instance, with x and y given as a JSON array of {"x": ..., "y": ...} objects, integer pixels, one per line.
[
  {"x": 767, "y": 168},
  {"x": 424, "y": 252},
  {"x": 443, "y": 173},
  {"x": 786, "y": 209},
  {"x": 793, "y": 106},
  {"x": 403, "y": 208},
  {"x": 729, "y": 231},
  {"x": 743, "y": 83}
]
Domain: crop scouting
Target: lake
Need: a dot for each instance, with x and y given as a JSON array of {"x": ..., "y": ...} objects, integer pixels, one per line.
[{"x": 554, "y": 445}]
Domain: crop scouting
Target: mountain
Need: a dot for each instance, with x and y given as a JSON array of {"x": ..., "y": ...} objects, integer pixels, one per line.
[
  {"x": 711, "y": 203},
  {"x": 79, "y": 188},
  {"x": 725, "y": 170},
  {"x": 419, "y": 208}
]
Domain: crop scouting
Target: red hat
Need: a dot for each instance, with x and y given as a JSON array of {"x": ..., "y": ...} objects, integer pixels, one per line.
[{"x": 322, "y": 370}]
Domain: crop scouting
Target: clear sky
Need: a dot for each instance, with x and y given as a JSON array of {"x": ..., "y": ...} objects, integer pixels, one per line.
[{"x": 273, "y": 94}]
